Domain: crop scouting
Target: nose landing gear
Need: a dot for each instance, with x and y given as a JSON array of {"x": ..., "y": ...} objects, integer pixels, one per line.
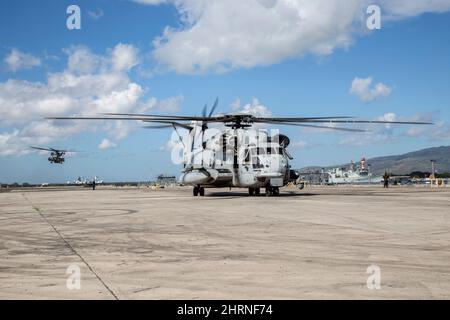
[{"x": 272, "y": 191}]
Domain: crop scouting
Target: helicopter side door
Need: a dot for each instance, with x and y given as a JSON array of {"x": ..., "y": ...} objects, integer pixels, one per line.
[{"x": 247, "y": 175}]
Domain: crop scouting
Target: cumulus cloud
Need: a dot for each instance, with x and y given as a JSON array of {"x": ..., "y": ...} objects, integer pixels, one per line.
[
  {"x": 225, "y": 34},
  {"x": 89, "y": 85},
  {"x": 390, "y": 117},
  {"x": 236, "y": 104},
  {"x": 379, "y": 133},
  {"x": 106, "y": 144},
  {"x": 400, "y": 9},
  {"x": 124, "y": 57},
  {"x": 438, "y": 132},
  {"x": 97, "y": 14},
  {"x": 376, "y": 133},
  {"x": 254, "y": 108},
  {"x": 170, "y": 105},
  {"x": 363, "y": 89},
  {"x": 17, "y": 60},
  {"x": 415, "y": 132}
]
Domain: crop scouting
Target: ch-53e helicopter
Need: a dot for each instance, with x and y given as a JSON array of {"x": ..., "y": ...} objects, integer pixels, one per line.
[
  {"x": 56, "y": 155},
  {"x": 238, "y": 155}
]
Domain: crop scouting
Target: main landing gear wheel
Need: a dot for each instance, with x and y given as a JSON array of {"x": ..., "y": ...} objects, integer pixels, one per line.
[
  {"x": 251, "y": 191},
  {"x": 198, "y": 191},
  {"x": 276, "y": 191},
  {"x": 272, "y": 191}
]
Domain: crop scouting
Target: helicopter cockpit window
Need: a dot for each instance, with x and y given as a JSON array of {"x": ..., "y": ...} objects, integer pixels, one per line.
[
  {"x": 274, "y": 150},
  {"x": 263, "y": 151}
]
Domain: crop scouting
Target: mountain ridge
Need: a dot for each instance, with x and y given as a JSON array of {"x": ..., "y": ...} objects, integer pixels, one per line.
[{"x": 406, "y": 163}]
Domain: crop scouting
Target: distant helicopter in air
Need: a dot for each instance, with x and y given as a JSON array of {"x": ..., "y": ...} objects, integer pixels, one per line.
[
  {"x": 56, "y": 155},
  {"x": 238, "y": 155}
]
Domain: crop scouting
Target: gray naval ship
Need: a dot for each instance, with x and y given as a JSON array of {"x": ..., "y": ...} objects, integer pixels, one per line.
[{"x": 355, "y": 174}]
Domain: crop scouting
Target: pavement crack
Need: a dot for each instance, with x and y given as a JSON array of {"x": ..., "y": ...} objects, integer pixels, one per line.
[{"x": 74, "y": 251}]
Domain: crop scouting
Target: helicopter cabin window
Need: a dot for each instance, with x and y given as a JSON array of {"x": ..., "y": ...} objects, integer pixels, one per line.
[
  {"x": 264, "y": 151},
  {"x": 255, "y": 152},
  {"x": 247, "y": 156}
]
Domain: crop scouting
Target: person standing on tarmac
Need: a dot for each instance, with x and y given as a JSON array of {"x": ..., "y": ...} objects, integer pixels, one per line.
[
  {"x": 386, "y": 180},
  {"x": 93, "y": 184}
]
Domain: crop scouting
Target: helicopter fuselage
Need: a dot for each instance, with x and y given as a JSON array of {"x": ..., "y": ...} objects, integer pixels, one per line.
[
  {"x": 240, "y": 158},
  {"x": 56, "y": 157}
]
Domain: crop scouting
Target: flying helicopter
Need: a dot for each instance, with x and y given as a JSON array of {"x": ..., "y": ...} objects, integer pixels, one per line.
[
  {"x": 56, "y": 155},
  {"x": 238, "y": 155}
]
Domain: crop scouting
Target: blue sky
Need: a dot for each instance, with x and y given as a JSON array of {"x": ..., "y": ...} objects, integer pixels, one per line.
[{"x": 284, "y": 73}]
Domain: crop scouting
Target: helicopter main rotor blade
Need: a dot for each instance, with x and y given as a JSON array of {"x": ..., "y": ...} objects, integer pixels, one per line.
[
  {"x": 313, "y": 126},
  {"x": 39, "y": 148},
  {"x": 240, "y": 118},
  {"x": 132, "y": 118},
  {"x": 372, "y": 122},
  {"x": 171, "y": 124},
  {"x": 303, "y": 118},
  {"x": 54, "y": 150},
  {"x": 214, "y": 107},
  {"x": 227, "y": 117},
  {"x": 162, "y": 126}
]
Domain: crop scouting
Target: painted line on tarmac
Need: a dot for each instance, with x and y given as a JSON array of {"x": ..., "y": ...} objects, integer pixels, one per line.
[{"x": 71, "y": 247}]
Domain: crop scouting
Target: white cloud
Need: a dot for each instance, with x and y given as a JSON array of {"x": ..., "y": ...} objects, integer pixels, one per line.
[
  {"x": 236, "y": 104},
  {"x": 440, "y": 132},
  {"x": 97, "y": 14},
  {"x": 415, "y": 132},
  {"x": 106, "y": 144},
  {"x": 225, "y": 34},
  {"x": 390, "y": 117},
  {"x": 380, "y": 133},
  {"x": 91, "y": 84},
  {"x": 171, "y": 144},
  {"x": 255, "y": 108},
  {"x": 363, "y": 90},
  {"x": 400, "y": 9},
  {"x": 17, "y": 60},
  {"x": 121, "y": 58},
  {"x": 169, "y": 105},
  {"x": 124, "y": 57},
  {"x": 82, "y": 61}
]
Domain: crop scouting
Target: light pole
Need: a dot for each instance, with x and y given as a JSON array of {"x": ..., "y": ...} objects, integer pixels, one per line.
[{"x": 433, "y": 176}]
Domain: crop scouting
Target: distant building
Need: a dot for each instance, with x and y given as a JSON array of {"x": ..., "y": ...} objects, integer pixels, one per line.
[{"x": 163, "y": 180}]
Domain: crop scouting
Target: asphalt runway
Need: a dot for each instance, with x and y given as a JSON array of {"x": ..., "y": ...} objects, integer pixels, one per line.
[{"x": 317, "y": 243}]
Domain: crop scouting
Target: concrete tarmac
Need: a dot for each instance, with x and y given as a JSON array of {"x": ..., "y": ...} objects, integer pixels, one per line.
[{"x": 317, "y": 243}]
